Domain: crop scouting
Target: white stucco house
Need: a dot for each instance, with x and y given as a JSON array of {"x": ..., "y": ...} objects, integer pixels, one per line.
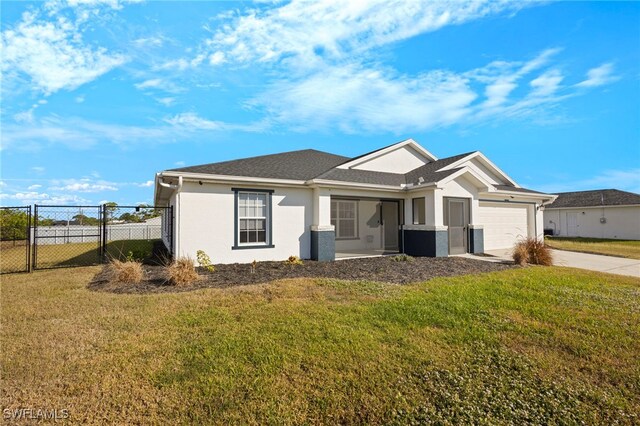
[
  {"x": 322, "y": 206},
  {"x": 603, "y": 213}
]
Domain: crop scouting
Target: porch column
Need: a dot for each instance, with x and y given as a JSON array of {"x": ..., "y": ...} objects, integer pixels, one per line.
[
  {"x": 476, "y": 231},
  {"x": 432, "y": 238},
  {"x": 323, "y": 236}
]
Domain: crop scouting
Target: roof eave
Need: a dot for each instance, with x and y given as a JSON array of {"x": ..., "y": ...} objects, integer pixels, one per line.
[
  {"x": 549, "y": 198},
  {"x": 211, "y": 178},
  {"x": 342, "y": 184},
  {"x": 593, "y": 207}
]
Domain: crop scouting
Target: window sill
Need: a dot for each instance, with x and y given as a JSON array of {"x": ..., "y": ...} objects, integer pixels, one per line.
[
  {"x": 347, "y": 238},
  {"x": 261, "y": 246}
]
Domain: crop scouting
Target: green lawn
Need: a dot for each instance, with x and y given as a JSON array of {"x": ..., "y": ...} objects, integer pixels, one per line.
[
  {"x": 621, "y": 248},
  {"x": 533, "y": 345}
]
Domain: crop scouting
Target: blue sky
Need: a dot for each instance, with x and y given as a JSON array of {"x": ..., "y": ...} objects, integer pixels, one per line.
[{"x": 99, "y": 95}]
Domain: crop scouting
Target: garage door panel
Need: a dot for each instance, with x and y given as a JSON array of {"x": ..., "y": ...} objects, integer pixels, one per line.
[{"x": 504, "y": 224}]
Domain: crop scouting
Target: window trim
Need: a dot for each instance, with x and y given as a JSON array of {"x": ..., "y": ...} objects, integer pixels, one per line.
[
  {"x": 356, "y": 219},
  {"x": 236, "y": 220},
  {"x": 413, "y": 210}
]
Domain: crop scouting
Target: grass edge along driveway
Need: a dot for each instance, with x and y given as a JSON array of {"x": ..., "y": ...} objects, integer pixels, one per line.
[
  {"x": 539, "y": 345},
  {"x": 619, "y": 248}
]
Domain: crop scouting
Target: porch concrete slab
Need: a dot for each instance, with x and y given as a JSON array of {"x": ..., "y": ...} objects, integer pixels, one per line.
[
  {"x": 358, "y": 254},
  {"x": 591, "y": 262}
]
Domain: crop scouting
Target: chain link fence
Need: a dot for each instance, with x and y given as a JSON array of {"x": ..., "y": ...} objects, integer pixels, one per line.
[
  {"x": 15, "y": 239},
  {"x": 66, "y": 236},
  {"x": 135, "y": 233}
]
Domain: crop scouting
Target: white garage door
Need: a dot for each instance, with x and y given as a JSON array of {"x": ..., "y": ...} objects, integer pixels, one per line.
[{"x": 503, "y": 223}]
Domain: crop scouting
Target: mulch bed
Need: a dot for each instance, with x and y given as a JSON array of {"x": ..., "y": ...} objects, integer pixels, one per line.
[{"x": 380, "y": 269}]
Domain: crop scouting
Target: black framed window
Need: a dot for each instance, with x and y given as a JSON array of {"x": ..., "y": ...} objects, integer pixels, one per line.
[{"x": 253, "y": 221}]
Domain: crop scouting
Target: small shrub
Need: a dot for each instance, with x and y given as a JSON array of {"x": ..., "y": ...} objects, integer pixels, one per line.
[
  {"x": 402, "y": 258},
  {"x": 136, "y": 255},
  {"x": 181, "y": 272},
  {"x": 533, "y": 251},
  {"x": 293, "y": 260},
  {"x": 125, "y": 272},
  {"x": 205, "y": 261}
]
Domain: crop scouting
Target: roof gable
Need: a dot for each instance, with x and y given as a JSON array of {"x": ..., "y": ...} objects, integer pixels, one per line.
[
  {"x": 399, "y": 158},
  {"x": 484, "y": 167}
]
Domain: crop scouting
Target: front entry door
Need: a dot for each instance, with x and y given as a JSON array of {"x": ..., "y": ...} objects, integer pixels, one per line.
[
  {"x": 458, "y": 222},
  {"x": 389, "y": 211}
]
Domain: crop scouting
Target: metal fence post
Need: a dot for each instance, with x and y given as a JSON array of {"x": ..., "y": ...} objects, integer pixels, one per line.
[
  {"x": 104, "y": 232},
  {"x": 29, "y": 239},
  {"x": 34, "y": 264}
]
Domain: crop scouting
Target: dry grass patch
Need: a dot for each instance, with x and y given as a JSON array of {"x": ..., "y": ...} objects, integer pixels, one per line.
[
  {"x": 532, "y": 251},
  {"x": 124, "y": 272},
  {"x": 182, "y": 272}
]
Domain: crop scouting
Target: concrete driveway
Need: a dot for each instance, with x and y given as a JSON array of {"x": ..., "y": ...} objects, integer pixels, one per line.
[{"x": 592, "y": 262}]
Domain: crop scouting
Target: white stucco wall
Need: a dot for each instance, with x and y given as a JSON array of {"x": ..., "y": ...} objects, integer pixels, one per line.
[
  {"x": 207, "y": 215},
  {"x": 621, "y": 222}
]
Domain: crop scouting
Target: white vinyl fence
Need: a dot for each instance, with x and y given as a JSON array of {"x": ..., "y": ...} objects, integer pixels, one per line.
[{"x": 48, "y": 235}]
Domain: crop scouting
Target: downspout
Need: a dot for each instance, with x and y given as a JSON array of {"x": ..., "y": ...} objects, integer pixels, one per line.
[{"x": 176, "y": 211}]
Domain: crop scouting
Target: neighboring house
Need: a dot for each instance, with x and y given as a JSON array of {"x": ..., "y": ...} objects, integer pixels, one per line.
[
  {"x": 605, "y": 213},
  {"x": 322, "y": 206}
]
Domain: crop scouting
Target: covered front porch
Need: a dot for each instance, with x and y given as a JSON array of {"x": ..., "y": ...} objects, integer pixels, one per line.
[{"x": 357, "y": 225}]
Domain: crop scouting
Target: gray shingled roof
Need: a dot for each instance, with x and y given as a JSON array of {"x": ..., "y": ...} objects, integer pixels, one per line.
[
  {"x": 311, "y": 164},
  {"x": 601, "y": 197},
  {"x": 297, "y": 165}
]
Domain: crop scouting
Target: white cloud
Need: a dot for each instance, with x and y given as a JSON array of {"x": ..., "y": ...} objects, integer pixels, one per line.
[
  {"x": 192, "y": 121},
  {"x": 34, "y": 187},
  {"x": 168, "y": 101},
  {"x": 306, "y": 31},
  {"x": 153, "y": 41},
  {"x": 180, "y": 163},
  {"x": 79, "y": 99},
  {"x": 217, "y": 58},
  {"x": 359, "y": 98},
  {"x": 599, "y": 76},
  {"x": 146, "y": 184},
  {"x": 34, "y": 197},
  {"x": 546, "y": 84},
  {"x": 84, "y": 185},
  {"x": 158, "y": 84},
  {"x": 38, "y": 169},
  {"x": 377, "y": 100},
  {"x": 24, "y": 116},
  {"x": 80, "y": 134},
  {"x": 152, "y": 83},
  {"x": 52, "y": 55}
]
